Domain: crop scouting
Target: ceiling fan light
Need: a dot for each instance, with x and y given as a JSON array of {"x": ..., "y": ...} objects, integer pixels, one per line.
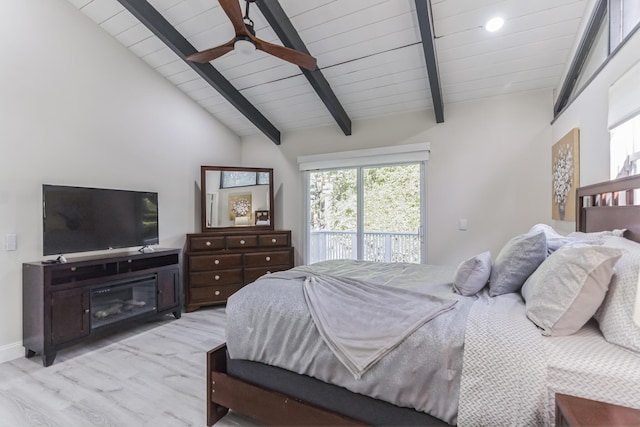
[
  {"x": 244, "y": 46},
  {"x": 494, "y": 24}
]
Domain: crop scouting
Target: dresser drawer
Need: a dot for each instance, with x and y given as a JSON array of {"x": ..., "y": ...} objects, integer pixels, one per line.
[
  {"x": 252, "y": 274},
  {"x": 214, "y": 262},
  {"x": 256, "y": 259},
  {"x": 273, "y": 240},
  {"x": 218, "y": 277},
  {"x": 206, "y": 243},
  {"x": 237, "y": 242},
  {"x": 212, "y": 294}
]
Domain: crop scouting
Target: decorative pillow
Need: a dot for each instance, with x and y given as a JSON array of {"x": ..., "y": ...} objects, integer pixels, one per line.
[
  {"x": 596, "y": 237},
  {"x": 472, "y": 274},
  {"x": 568, "y": 287},
  {"x": 516, "y": 261},
  {"x": 555, "y": 240},
  {"x": 615, "y": 315}
]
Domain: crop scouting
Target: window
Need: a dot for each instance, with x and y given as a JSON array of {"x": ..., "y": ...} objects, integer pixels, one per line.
[
  {"x": 625, "y": 148},
  {"x": 367, "y": 205},
  {"x": 624, "y": 16},
  {"x": 231, "y": 179},
  {"x": 624, "y": 124},
  {"x": 368, "y": 213}
]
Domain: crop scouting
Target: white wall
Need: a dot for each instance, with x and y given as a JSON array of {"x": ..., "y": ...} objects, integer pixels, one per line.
[
  {"x": 589, "y": 112},
  {"x": 77, "y": 108},
  {"x": 490, "y": 163}
]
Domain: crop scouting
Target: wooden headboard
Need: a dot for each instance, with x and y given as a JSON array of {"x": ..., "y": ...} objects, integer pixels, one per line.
[{"x": 610, "y": 205}]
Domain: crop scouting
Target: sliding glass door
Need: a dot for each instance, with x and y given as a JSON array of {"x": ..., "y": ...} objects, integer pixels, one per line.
[{"x": 372, "y": 213}]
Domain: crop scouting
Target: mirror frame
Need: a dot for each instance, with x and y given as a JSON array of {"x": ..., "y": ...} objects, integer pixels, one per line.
[{"x": 203, "y": 198}]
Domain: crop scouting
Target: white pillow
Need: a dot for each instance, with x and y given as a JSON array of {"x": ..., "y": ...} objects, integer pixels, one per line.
[
  {"x": 472, "y": 274},
  {"x": 516, "y": 261},
  {"x": 595, "y": 237},
  {"x": 555, "y": 240},
  {"x": 568, "y": 287},
  {"x": 615, "y": 316}
]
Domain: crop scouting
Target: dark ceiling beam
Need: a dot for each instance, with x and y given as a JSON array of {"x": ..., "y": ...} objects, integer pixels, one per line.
[
  {"x": 285, "y": 31},
  {"x": 425, "y": 22},
  {"x": 159, "y": 26},
  {"x": 588, "y": 37}
]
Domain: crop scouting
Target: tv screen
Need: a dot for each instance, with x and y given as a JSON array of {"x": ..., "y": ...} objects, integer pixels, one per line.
[{"x": 77, "y": 219}]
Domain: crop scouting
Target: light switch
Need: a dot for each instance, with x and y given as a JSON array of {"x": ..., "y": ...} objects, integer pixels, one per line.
[
  {"x": 462, "y": 224},
  {"x": 12, "y": 242}
]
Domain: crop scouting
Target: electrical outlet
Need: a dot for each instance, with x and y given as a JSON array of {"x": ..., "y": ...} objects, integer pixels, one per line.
[
  {"x": 462, "y": 224},
  {"x": 11, "y": 243}
]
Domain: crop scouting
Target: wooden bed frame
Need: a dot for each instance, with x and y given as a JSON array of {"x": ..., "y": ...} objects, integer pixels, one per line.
[
  {"x": 610, "y": 205},
  {"x": 270, "y": 407},
  {"x": 603, "y": 206}
]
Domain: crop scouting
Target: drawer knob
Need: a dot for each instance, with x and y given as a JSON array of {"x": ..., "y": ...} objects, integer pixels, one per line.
[
  {"x": 217, "y": 292},
  {"x": 274, "y": 240},
  {"x": 267, "y": 258},
  {"x": 242, "y": 242},
  {"x": 73, "y": 269},
  {"x": 208, "y": 243},
  {"x": 217, "y": 277},
  {"x": 216, "y": 261},
  {"x": 129, "y": 261},
  {"x": 86, "y": 310}
]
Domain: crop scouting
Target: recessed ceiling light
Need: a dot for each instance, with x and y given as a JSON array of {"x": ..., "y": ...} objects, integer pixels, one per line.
[{"x": 494, "y": 24}]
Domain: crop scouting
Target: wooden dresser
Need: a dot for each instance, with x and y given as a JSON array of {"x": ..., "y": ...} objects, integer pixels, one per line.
[{"x": 218, "y": 263}]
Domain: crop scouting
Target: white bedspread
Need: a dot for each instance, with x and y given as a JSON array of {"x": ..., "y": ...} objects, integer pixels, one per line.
[{"x": 511, "y": 372}]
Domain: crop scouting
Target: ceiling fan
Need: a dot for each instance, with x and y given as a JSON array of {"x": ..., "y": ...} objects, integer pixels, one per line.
[{"x": 245, "y": 40}]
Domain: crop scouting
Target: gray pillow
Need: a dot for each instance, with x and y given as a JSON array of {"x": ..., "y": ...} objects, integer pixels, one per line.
[
  {"x": 472, "y": 274},
  {"x": 615, "y": 315},
  {"x": 516, "y": 261},
  {"x": 568, "y": 287}
]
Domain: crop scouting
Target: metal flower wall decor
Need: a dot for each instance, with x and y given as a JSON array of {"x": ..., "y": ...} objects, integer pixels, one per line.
[
  {"x": 565, "y": 176},
  {"x": 239, "y": 206}
]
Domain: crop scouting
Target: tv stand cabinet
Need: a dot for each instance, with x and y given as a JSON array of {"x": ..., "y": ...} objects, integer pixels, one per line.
[{"x": 64, "y": 304}]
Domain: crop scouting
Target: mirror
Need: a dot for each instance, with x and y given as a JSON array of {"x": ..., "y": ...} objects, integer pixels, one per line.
[{"x": 236, "y": 197}]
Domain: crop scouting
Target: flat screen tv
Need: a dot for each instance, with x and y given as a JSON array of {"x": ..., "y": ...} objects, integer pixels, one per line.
[{"x": 78, "y": 219}]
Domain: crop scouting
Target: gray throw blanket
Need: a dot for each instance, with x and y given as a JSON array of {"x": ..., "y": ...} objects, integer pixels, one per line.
[{"x": 362, "y": 321}]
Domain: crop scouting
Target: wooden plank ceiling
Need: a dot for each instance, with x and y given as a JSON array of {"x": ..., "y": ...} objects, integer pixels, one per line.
[{"x": 369, "y": 52}]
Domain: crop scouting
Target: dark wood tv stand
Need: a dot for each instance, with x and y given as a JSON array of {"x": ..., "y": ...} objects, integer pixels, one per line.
[{"x": 63, "y": 304}]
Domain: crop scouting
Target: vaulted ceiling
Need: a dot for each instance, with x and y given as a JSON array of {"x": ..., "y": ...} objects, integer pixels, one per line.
[{"x": 372, "y": 61}]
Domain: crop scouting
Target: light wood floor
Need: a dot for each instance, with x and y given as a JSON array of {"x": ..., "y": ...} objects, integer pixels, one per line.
[{"x": 153, "y": 374}]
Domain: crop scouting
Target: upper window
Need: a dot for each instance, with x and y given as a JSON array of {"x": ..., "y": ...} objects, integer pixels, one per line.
[
  {"x": 230, "y": 179},
  {"x": 624, "y": 16}
]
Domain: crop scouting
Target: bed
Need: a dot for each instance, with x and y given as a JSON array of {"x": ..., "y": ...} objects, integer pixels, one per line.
[{"x": 496, "y": 356}]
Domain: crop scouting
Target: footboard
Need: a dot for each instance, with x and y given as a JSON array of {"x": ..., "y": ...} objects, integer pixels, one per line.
[
  {"x": 225, "y": 392},
  {"x": 216, "y": 363}
]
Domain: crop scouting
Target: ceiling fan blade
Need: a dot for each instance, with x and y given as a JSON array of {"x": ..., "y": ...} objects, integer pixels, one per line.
[
  {"x": 234, "y": 13},
  {"x": 291, "y": 55},
  {"x": 213, "y": 53}
]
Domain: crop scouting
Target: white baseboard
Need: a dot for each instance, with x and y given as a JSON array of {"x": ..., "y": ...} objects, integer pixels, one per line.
[{"x": 11, "y": 351}]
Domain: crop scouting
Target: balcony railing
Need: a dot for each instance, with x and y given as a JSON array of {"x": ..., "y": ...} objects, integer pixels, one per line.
[{"x": 378, "y": 246}]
